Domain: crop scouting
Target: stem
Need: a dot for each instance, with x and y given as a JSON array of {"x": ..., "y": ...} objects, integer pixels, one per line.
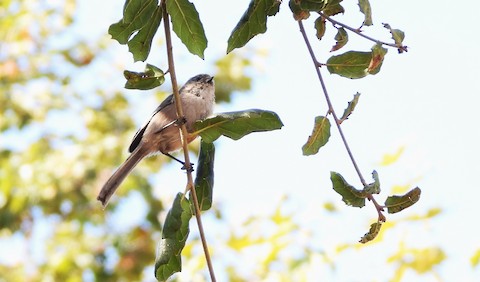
[
  {"x": 184, "y": 134},
  {"x": 358, "y": 32},
  {"x": 331, "y": 110},
  {"x": 330, "y": 106}
]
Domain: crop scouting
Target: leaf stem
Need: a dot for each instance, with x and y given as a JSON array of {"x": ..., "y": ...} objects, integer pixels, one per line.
[
  {"x": 359, "y": 32},
  {"x": 184, "y": 134}
]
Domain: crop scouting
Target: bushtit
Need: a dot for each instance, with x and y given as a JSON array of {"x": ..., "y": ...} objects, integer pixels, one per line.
[{"x": 160, "y": 134}]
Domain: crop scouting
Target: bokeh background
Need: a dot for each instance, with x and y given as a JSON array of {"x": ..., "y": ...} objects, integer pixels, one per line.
[{"x": 66, "y": 121}]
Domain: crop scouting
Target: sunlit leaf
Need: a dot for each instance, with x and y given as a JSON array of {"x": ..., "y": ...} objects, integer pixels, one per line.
[
  {"x": 351, "y": 106},
  {"x": 319, "y": 136},
  {"x": 141, "y": 43},
  {"x": 320, "y": 27},
  {"x": 174, "y": 235},
  {"x": 137, "y": 13},
  {"x": 366, "y": 10},
  {"x": 378, "y": 54},
  {"x": 187, "y": 25},
  {"x": 252, "y": 23},
  {"x": 236, "y": 125},
  {"x": 341, "y": 38},
  {"x": 395, "y": 204},
  {"x": 204, "y": 178},
  {"x": 351, "y": 64},
  {"x": 350, "y": 195},
  {"x": 372, "y": 233},
  {"x": 150, "y": 78}
]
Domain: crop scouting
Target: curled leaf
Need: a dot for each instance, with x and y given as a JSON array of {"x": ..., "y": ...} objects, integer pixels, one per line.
[
  {"x": 351, "y": 106},
  {"x": 148, "y": 79},
  {"x": 395, "y": 204},
  {"x": 351, "y": 196},
  {"x": 204, "y": 178},
  {"x": 174, "y": 235},
  {"x": 367, "y": 11},
  {"x": 372, "y": 233},
  {"x": 341, "y": 38}
]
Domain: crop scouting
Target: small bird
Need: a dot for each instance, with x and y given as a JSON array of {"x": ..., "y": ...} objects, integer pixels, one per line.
[{"x": 160, "y": 134}]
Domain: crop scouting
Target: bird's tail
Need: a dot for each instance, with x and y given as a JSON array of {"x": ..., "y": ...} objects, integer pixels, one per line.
[{"x": 117, "y": 178}]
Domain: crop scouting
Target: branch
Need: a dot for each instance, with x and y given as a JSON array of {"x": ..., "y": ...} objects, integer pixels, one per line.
[
  {"x": 331, "y": 110},
  {"x": 183, "y": 135},
  {"x": 358, "y": 32}
]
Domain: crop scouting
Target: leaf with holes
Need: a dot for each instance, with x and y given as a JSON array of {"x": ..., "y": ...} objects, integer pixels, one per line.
[
  {"x": 148, "y": 79},
  {"x": 372, "y": 233}
]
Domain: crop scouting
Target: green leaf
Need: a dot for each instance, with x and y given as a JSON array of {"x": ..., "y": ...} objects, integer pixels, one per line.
[
  {"x": 333, "y": 7},
  {"x": 351, "y": 106},
  {"x": 352, "y": 64},
  {"x": 235, "y": 125},
  {"x": 320, "y": 27},
  {"x": 398, "y": 36},
  {"x": 395, "y": 204},
  {"x": 150, "y": 78},
  {"x": 252, "y": 23},
  {"x": 367, "y": 11},
  {"x": 372, "y": 233},
  {"x": 350, "y": 195},
  {"x": 136, "y": 14},
  {"x": 204, "y": 178},
  {"x": 378, "y": 54},
  {"x": 174, "y": 235},
  {"x": 141, "y": 43},
  {"x": 312, "y": 5},
  {"x": 298, "y": 13},
  {"x": 319, "y": 137},
  {"x": 187, "y": 25},
  {"x": 373, "y": 188},
  {"x": 341, "y": 38}
]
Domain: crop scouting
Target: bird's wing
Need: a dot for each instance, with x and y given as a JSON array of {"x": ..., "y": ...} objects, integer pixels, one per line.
[{"x": 138, "y": 136}]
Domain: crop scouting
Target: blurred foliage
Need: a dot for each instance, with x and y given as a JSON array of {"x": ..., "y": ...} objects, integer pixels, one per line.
[
  {"x": 61, "y": 137},
  {"x": 62, "y": 134}
]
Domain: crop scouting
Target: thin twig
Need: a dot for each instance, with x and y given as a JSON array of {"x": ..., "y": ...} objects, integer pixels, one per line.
[
  {"x": 331, "y": 110},
  {"x": 330, "y": 106},
  {"x": 184, "y": 134},
  {"x": 358, "y": 32}
]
